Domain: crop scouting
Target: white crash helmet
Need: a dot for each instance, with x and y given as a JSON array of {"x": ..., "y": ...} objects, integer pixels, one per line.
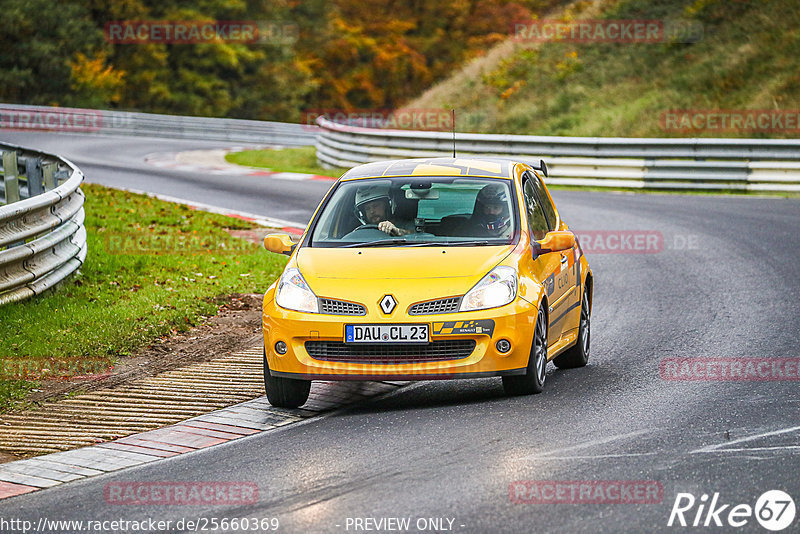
[{"x": 369, "y": 193}]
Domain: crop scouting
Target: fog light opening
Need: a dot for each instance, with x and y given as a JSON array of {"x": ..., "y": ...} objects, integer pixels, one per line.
[
  {"x": 503, "y": 346},
  {"x": 280, "y": 347}
]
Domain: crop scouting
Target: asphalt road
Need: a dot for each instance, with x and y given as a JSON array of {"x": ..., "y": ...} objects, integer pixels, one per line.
[
  {"x": 119, "y": 162},
  {"x": 724, "y": 285}
]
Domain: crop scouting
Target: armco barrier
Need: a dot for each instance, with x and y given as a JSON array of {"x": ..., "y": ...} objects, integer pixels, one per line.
[
  {"x": 741, "y": 164},
  {"x": 42, "y": 237},
  {"x": 72, "y": 120}
]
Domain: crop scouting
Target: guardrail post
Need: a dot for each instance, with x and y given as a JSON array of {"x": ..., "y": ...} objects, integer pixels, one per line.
[
  {"x": 33, "y": 172},
  {"x": 11, "y": 176},
  {"x": 49, "y": 176}
]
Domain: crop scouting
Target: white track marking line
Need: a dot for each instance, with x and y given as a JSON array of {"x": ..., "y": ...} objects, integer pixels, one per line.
[
  {"x": 592, "y": 457},
  {"x": 750, "y": 449},
  {"x": 601, "y": 441},
  {"x": 725, "y": 445}
]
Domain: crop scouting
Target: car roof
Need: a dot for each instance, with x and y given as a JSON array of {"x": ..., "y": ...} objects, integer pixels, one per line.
[{"x": 466, "y": 166}]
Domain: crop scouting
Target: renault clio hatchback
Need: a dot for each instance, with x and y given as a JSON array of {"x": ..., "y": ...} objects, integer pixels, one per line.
[{"x": 427, "y": 269}]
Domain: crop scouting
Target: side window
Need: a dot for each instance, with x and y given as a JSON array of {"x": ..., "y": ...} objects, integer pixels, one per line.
[
  {"x": 547, "y": 206},
  {"x": 536, "y": 219}
]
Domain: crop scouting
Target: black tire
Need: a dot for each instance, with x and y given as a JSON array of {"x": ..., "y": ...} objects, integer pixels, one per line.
[
  {"x": 578, "y": 354},
  {"x": 536, "y": 372},
  {"x": 285, "y": 392}
]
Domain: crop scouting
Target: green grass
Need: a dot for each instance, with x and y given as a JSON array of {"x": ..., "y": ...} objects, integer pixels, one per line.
[
  {"x": 746, "y": 59},
  {"x": 12, "y": 391},
  {"x": 153, "y": 268},
  {"x": 303, "y": 159}
]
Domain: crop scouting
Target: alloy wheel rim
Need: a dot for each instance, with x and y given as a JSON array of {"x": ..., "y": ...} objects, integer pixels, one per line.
[
  {"x": 541, "y": 348},
  {"x": 585, "y": 326}
]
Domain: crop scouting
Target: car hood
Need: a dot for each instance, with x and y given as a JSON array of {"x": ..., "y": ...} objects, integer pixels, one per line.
[
  {"x": 399, "y": 263},
  {"x": 409, "y": 274}
]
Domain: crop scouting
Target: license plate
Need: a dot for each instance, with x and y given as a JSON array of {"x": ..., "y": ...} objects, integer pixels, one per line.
[{"x": 386, "y": 333}]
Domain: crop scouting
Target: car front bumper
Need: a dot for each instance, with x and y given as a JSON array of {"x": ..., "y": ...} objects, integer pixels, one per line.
[{"x": 316, "y": 348}]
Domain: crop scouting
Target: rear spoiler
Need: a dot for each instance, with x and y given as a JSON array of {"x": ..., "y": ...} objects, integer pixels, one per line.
[{"x": 542, "y": 167}]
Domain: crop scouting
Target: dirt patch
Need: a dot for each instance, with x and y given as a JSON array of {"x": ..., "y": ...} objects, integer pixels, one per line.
[{"x": 236, "y": 327}]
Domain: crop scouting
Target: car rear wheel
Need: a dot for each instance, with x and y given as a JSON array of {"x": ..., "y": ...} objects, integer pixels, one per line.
[
  {"x": 533, "y": 379},
  {"x": 285, "y": 392},
  {"x": 578, "y": 354}
]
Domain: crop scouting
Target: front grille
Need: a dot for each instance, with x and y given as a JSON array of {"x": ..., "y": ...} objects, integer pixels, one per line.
[
  {"x": 340, "y": 307},
  {"x": 435, "y": 306},
  {"x": 336, "y": 351}
]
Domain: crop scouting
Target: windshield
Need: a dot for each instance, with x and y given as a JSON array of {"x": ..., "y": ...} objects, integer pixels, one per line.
[{"x": 418, "y": 211}]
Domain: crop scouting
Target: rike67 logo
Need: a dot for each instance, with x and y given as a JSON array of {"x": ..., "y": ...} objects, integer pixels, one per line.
[{"x": 774, "y": 510}]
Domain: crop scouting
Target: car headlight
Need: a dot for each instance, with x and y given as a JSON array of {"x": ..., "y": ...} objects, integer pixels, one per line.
[
  {"x": 496, "y": 289},
  {"x": 294, "y": 294}
]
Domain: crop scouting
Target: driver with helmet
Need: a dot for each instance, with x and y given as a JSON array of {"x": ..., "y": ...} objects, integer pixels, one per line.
[
  {"x": 374, "y": 206},
  {"x": 490, "y": 216}
]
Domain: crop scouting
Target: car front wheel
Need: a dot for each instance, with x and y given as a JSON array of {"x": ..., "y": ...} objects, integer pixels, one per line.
[
  {"x": 285, "y": 392},
  {"x": 533, "y": 379}
]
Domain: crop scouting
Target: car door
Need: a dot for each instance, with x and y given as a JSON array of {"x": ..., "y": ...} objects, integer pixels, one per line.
[
  {"x": 547, "y": 267},
  {"x": 566, "y": 310}
]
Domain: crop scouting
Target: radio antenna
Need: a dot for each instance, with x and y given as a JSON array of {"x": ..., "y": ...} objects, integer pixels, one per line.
[{"x": 453, "y": 111}]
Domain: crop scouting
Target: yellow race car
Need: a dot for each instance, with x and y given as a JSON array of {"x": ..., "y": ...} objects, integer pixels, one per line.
[{"x": 426, "y": 269}]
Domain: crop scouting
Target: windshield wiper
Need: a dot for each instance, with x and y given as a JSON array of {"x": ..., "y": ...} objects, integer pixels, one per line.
[
  {"x": 411, "y": 243},
  {"x": 378, "y": 243},
  {"x": 451, "y": 243}
]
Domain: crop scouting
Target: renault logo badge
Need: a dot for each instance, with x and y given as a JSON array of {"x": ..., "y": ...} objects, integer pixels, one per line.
[{"x": 388, "y": 304}]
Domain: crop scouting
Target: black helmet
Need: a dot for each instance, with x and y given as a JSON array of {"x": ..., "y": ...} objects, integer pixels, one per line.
[{"x": 492, "y": 195}]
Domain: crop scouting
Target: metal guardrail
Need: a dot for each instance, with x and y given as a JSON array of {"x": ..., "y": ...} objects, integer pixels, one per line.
[
  {"x": 42, "y": 236},
  {"x": 742, "y": 164},
  {"x": 72, "y": 120}
]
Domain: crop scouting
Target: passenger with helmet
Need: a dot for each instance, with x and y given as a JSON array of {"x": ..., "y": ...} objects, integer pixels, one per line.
[
  {"x": 490, "y": 216},
  {"x": 374, "y": 205}
]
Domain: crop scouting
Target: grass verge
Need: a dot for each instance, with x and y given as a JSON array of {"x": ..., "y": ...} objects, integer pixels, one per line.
[
  {"x": 743, "y": 58},
  {"x": 302, "y": 159},
  {"x": 153, "y": 268}
]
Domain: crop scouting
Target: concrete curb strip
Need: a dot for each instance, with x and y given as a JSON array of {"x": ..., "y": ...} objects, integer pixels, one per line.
[{"x": 178, "y": 437}]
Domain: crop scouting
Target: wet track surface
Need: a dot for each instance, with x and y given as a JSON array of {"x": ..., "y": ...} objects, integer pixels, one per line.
[{"x": 724, "y": 284}]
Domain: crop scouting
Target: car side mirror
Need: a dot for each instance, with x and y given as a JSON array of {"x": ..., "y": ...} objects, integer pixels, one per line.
[
  {"x": 556, "y": 242},
  {"x": 279, "y": 244}
]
